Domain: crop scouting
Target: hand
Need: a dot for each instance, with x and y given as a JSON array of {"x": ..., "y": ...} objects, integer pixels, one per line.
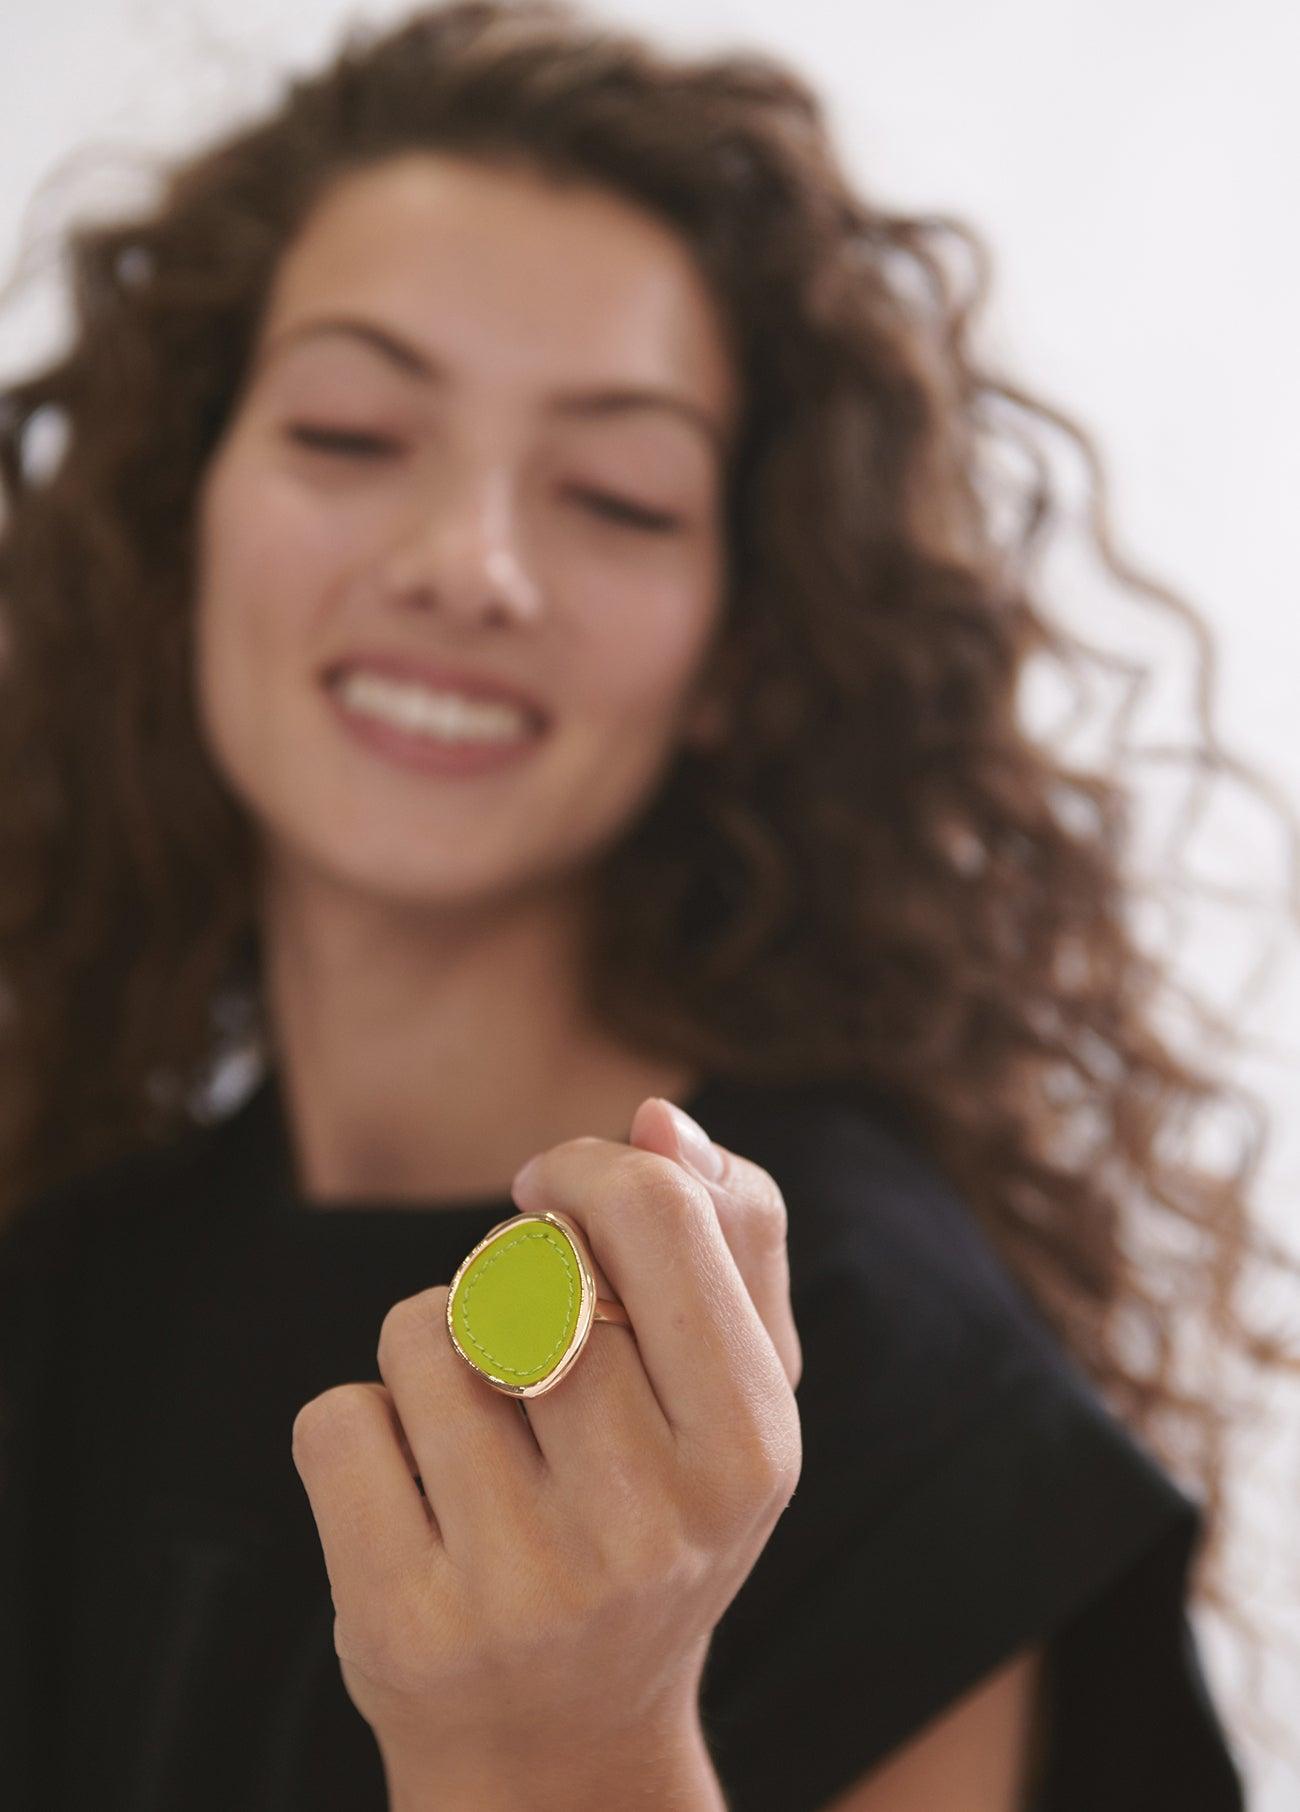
[{"x": 556, "y": 1587}]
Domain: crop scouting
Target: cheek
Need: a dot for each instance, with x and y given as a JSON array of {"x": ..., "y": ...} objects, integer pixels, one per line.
[
  {"x": 268, "y": 565},
  {"x": 643, "y": 645},
  {"x": 264, "y": 557},
  {"x": 261, "y": 567}
]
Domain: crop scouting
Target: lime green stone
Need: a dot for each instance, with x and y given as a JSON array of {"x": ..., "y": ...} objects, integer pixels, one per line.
[{"x": 516, "y": 1308}]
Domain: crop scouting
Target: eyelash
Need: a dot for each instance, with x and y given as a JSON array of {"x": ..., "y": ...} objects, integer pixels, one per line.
[{"x": 361, "y": 446}]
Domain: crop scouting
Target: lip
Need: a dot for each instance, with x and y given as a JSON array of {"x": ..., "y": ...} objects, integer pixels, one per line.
[
  {"x": 425, "y": 754},
  {"x": 438, "y": 675}
]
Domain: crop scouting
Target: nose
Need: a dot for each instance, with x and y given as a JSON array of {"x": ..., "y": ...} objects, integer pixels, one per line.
[{"x": 461, "y": 555}]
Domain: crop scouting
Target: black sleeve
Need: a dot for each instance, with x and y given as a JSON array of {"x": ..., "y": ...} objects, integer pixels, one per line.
[
  {"x": 1039, "y": 1522},
  {"x": 965, "y": 1493},
  {"x": 35, "y": 1268},
  {"x": 51, "y": 1253}
]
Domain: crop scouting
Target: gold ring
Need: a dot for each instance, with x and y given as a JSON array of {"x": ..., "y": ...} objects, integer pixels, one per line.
[{"x": 522, "y": 1303}]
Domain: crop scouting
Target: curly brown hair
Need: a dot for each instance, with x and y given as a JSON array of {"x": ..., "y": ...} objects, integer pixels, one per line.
[{"x": 880, "y": 877}]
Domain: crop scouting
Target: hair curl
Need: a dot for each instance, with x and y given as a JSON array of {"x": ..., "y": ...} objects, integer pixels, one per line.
[{"x": 879, "y": 877}]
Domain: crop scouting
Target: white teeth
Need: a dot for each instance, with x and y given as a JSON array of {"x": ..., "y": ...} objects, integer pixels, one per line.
[{"x": 444, "y": 715}]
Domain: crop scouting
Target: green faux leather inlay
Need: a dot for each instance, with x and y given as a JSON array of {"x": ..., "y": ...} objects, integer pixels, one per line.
[{"x": 515, "y": 1311}]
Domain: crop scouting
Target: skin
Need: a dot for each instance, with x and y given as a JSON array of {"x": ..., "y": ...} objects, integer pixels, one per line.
[
  {"x": 981, "y": 1755},
  {"x": 534, "y": 1633},
  {"x": 421, "y": 937},
  {"x": 421, "y": 933}
]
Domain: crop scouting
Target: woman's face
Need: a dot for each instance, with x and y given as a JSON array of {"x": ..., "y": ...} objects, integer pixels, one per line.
[{"x": 476, "y": 522}]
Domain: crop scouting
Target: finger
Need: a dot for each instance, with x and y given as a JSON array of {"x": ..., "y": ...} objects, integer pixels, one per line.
[
  {"x": 399, "y": 1433},
  {"x": 373, "y": 1524},
  {"x": 655, "y": 1232},
  {"x": 603, "y": 1426},
  {"x": 470, "y": 1443},
  {"x": 752, "y": 1213}
]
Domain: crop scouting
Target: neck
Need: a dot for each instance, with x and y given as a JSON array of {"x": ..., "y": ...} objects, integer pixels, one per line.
[{"x": 421, "y": 1060}]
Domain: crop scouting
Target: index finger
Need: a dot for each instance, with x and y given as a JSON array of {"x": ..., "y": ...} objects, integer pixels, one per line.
[{"x": 654, "y": 1232}]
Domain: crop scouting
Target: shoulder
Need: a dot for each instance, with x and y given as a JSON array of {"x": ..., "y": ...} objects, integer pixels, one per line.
[
  {"x": 935, "y": 1396},
  {"x": 101, "y": 1216},
  {"x": 79, "y": 1260},
  {"x": 885, "y": 1252},
  {"x": 966, "y": 1491}
]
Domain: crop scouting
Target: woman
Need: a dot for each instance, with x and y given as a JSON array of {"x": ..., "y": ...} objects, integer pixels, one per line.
[{"x": 516, "y": 640}]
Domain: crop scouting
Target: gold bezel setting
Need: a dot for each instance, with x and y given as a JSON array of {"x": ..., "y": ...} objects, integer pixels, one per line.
[{"x": 586, "y": 1303}]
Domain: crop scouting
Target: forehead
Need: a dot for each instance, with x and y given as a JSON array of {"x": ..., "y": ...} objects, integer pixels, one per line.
[{"x": 511, "y": 278}]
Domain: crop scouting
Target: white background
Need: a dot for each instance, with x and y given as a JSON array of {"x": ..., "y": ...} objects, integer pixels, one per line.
[{"x": 1135, "y": 169}]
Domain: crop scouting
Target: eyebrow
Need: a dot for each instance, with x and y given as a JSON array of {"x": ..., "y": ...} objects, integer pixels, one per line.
[{"x": 604, "y": 401}]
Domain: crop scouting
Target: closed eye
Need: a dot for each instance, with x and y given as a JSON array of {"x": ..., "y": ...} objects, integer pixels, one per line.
[
  {"x": 348, "y": 445},
  {"x": 657, "y": 521},
  {"x": 340, "y": 441}
]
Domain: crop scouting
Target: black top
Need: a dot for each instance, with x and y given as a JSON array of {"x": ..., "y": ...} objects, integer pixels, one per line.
[{"x": 166, "y": 1628}]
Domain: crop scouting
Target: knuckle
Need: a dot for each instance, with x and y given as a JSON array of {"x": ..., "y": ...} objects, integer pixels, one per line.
[
  {"x": 325, "y": 1420},
  {"x": 642, "y": 1522},
  {"x": 410, "y": 1324},
  {"x": 789, "y": 1471},
  {"x": 618, "y": 1576},
  {"x": 763, "y": 1208},
  {"x": 386, "y": 1646},
  {"x": 785, "y": 1464},
  {"x": 631, "y": 1477},
  {"x": 752, "y": 1212},
  {"x": 656, "y": 1188},
  {"x": 756, "y": 1469},
  {"x": 770, "y": 1211},
  {"x": 566, "y": 1147},
  {"x": 655, "y": 1555}
]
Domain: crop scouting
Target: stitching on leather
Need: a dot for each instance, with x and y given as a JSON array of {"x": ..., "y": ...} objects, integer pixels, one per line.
[{"x": 565, "y": 1253}]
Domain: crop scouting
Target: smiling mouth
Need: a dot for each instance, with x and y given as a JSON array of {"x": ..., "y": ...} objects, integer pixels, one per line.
[
  {"x": 443, "y": 747},
  {"x": 418, "y": 690},
  {"x": 443, "y": 716}
]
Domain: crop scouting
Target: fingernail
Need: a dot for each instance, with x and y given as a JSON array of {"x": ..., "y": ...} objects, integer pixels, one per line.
[
  {"x": 696, "y": 1146},
  {"x": 523, "y": 1172}
]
